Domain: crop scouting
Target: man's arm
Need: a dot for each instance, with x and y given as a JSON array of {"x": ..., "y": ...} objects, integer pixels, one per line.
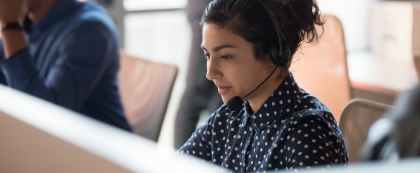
[
  {"x": 14, "y": 40},
  {"x": 81, "y": 63},
  {"x": 13, "y": 12}
]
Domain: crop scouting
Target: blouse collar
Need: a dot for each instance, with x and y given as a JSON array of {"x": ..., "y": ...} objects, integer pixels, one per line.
[{"x": 276, "y": 105}]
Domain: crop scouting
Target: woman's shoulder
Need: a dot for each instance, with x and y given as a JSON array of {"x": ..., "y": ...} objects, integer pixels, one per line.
[
  {"x": 308, "y": 108},
  {"x": 316, "y": 115},
  {"x": 321, "y": 116},
  {"x": 308, "y": 104}
]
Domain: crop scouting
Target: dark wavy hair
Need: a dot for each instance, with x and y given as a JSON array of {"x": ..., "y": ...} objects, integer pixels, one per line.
[{"x": 250, "y": 20}]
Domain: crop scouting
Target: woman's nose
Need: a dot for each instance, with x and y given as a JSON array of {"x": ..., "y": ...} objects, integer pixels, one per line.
[{"x": 213, "y": 71}]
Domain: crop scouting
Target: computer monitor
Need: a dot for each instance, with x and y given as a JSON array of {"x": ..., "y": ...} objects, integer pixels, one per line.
[{"x": 38, "y": 136}]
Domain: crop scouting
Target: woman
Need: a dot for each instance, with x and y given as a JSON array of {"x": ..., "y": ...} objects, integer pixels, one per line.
[{"x": 248, "y": 45}]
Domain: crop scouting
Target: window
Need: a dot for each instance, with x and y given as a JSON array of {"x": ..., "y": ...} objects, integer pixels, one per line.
[{"x": 139, "y": 5}]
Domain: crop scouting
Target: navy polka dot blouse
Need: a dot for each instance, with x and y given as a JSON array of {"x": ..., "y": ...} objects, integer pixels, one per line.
[{"x": 291, "y": 130}]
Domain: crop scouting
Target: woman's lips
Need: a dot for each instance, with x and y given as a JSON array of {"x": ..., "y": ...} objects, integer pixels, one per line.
[{"x": 223, "y": 89}]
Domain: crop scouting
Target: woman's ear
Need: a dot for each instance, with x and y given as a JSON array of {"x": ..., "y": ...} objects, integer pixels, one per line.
[{"x": 268, "y": 61}]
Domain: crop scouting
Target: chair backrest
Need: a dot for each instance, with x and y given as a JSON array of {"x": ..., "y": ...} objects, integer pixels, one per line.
[
  {"x": 145, "y": 88},
  {"x": 321, "y": 68},
  {"x": 356, "y": 120},
  {"x": 417, "y": 63}
]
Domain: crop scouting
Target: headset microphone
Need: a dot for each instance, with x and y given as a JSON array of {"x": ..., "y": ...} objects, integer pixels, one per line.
[
  {"x": 276, "y": 52},
  {"x": 235, "y": 103}
]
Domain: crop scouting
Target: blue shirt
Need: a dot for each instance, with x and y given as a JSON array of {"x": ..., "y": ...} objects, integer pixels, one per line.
[
  {"x": 72, "y": 60},
  {"x": 291, "y": 130}
]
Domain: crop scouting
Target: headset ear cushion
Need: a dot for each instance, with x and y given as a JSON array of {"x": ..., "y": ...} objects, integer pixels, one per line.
[{"x": 274, "y": 54}]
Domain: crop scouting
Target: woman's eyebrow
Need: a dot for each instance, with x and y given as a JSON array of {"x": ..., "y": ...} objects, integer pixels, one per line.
[{"x": 218, "y": 48}]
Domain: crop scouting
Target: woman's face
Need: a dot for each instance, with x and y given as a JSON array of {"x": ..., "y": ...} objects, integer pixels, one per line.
[{"x": 231, "y": 63}]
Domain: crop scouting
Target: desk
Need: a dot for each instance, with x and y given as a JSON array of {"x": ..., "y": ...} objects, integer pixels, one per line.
[{"x": 382, "y": 76}]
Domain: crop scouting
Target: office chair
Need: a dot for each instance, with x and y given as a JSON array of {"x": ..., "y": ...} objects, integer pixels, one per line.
[
  {"x": 321, "y": 68},
  {"x": 356, "y": 119},
  {"x": 145, "y": 88}
]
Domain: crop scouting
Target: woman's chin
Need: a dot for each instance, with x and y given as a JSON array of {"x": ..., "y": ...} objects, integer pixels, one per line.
[{"x": 225, "y": 99}]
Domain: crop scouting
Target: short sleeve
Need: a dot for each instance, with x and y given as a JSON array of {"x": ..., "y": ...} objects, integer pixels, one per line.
[{"x": 312, "y": 143}]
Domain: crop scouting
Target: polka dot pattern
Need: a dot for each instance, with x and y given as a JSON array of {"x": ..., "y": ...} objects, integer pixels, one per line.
[{"x": 292, "y": 130}]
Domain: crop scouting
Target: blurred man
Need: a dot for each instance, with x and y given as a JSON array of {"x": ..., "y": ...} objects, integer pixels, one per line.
[
  {"x": 397, "y": 135},
  {"x": 200, "y": 93},
  {"x": 69, "y": 55}
]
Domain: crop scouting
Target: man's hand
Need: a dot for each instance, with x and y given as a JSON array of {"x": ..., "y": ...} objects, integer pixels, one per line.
[{"x": 12, "y": 11}]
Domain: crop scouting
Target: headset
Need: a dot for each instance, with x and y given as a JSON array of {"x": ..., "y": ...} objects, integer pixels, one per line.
[{"x": 278, "y": 53}]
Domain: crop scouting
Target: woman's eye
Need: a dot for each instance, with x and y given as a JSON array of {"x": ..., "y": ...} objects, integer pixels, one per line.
[
  {"x": 206, "y": 56},
  {"x": 226, "y": 57}
]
